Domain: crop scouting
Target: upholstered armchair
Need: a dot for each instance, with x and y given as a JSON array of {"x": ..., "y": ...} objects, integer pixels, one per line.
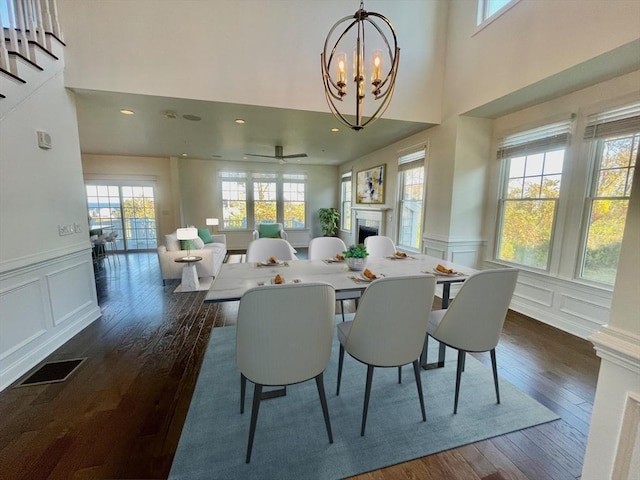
[{"x": 269, "y": 230}]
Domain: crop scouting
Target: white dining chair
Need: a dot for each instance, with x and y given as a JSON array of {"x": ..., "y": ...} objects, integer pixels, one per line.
[
  {"x": 261, "y": 249},
  {"x": 278, "y": 343},
  {"x": 325, "y": 247},
  {"x": 389, "y": 329},
  {"x": 473, "y": 322},
  {"x": 321, "y": 248},
  {"x": 379, "y": 246}
]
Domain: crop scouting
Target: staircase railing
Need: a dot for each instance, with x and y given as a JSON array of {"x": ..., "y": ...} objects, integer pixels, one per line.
[{"x": 26, "y": 23}]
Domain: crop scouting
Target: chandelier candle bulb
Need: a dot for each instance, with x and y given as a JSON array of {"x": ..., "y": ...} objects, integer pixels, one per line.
[
  {"x": 341, "y": 61},
  {"x": 376, "y": 71}
]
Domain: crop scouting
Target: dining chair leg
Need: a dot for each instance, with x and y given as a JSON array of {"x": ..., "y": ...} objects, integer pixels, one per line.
[
  {"x": 399, "y": 373},
  {"x": 416, "y": 372},
  {"x": 342, "y": 309},
  {"x": 494, "y": 365},
  {"x": 243, "y": 389},
  {"x": 323, "y": 402},
  {"x": 257, "y": 393},
  {"x": 340, "y": 362},
  {"x": 367, "y": 394},
  {"x": 461, "y": 355}
]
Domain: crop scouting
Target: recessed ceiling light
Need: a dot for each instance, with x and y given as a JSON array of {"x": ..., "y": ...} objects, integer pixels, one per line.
[
  {"x": 193, "y": 118},
  {"x": 183, "y": 154},
  {"x": 239, "y": 121},
  {"x": 127, "y": 112},
  {"x": 170, "y": 114},
  {"x": 334, "y": 129}
]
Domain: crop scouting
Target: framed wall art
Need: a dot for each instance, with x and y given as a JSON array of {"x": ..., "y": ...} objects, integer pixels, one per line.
[{"x": 370, "y": 185}]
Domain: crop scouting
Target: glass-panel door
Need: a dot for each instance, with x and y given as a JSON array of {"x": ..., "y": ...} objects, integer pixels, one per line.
[{"x": 128, "y": 210}]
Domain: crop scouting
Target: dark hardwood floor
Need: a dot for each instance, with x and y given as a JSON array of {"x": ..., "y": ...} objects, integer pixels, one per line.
[{"x": 121, "y": 413}]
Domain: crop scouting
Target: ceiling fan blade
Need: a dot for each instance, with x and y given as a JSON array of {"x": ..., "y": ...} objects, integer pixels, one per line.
[
  {"x": 296, "y": 155},
  {"x": 256, "y": 155}
]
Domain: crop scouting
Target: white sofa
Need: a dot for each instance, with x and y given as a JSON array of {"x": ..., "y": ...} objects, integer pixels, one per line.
[{"x": 213, "y": 255}]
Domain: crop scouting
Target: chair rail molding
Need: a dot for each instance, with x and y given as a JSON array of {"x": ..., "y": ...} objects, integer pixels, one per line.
[{"x": 467, "y": 251}]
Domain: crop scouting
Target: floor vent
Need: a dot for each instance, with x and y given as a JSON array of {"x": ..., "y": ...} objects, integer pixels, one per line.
[{"x": 52, "y": 372}]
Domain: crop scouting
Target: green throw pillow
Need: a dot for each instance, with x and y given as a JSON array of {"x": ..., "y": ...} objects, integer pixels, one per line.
[
  {"x": 187, "y": 245},
  {"x": 269, "y": 230},
  {"x": 205, "y": 235}
]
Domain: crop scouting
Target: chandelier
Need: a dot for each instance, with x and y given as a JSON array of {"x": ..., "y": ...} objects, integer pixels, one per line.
[{"x": 334, "y": 59}]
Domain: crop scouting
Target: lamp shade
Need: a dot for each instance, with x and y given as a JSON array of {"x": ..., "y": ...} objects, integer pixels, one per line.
[
  {"x": 212, "y": 221},
  {"x": 187, "y": 233}
]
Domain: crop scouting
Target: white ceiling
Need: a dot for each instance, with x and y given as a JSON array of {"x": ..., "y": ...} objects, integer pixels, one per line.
[{"x": 104, "y": 130}]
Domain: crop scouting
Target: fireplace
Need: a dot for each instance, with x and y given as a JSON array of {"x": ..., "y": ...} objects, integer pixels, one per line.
[
  {"x": 368, "y": 221},
  {"x": 365, "y": 231}
]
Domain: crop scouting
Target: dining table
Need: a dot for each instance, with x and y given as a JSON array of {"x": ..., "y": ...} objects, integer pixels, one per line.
[{"x": 233, "y": 279}]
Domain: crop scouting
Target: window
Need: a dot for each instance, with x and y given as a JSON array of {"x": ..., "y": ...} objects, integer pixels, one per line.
[
  {"x": 532, "y": 174},
  {"x": 411, "y": 200},
  {"x": 234, "y": 201},
  {"x": 614, "y": 138},
  {"x": 126, "y": 209},
  {"x": 489, "y": 8},
  {"x": 345, "y": 201},
  {"x": 294, "y": 201},
  {"x": 264, "y": 198},
  {"x": 250, "y": 198}
]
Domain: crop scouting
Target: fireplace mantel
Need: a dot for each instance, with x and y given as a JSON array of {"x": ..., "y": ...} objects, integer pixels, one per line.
[{"x": 369, "y": 216}]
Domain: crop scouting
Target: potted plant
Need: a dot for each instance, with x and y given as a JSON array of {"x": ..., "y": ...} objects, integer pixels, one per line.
[
  {"x": 329, "y": 218},
  {"x": 356, "y": 256}
]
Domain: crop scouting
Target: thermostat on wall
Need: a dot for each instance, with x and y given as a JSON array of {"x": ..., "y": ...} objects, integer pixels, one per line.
[{"x": 44, "y": 140}]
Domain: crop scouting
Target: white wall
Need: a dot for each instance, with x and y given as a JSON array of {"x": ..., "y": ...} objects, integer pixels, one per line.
[
  {"x": 200, "y": 196},
  {"x": 531, "y": 42},
  {"x": 47, "y": 289},
  {"x": 252, "y": 52}
]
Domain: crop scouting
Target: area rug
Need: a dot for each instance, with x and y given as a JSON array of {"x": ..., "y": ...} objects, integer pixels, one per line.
[{"x": 291, "y": 440}]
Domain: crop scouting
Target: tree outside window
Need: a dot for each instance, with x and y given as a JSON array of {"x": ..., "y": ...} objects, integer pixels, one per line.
[
  {"x": 528, "y": 208},
  {"x": 607, "y": 206}
]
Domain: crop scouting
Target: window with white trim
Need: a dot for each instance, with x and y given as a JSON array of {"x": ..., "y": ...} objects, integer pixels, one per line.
[
  {"x": 614, "y": 136},
  {"x": 345, "y": 201},
  {"x": 256, "y": 197},
  {"x": 532, "y": 163},
  {"x": 489, "y": 8},
  {"x": 410, "y": 200}
]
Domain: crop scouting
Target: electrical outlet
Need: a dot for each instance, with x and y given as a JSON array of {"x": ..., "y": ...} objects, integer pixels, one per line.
[
  {"x": 77, "y": 228},
  {"x": 65, "y": 230}
]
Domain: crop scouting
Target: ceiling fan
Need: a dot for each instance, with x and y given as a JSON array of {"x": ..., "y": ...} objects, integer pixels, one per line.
[{"x": 279, "y": 156}]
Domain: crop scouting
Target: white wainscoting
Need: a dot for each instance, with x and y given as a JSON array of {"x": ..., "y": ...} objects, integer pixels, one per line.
[
  {"x": 463, "y": 251},
  {"x": 42, "y": 306},
  {"x": 568, "y": 305},
  {"x": 571, "y": 306}
]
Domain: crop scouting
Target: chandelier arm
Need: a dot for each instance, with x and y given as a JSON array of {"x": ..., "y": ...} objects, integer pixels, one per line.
[
  {"x": 381, "y": 109},
  {"x": 325, "y": 65}
]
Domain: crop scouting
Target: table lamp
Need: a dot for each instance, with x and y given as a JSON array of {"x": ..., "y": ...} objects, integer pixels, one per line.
[
  {"x": 187, "y": 234},
  {"x": 212, "y": 221}
]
